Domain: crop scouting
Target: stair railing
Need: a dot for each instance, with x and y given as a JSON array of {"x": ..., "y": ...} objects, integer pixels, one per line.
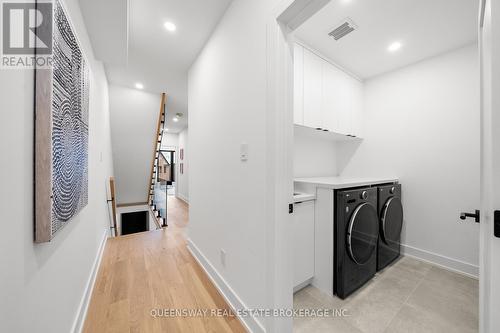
[{"x": 155, "y": 162}]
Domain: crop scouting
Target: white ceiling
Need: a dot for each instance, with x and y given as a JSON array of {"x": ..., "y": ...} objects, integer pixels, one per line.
[
  {"x": 160, "y": 59},
  {"x": 426, "y": 28}
]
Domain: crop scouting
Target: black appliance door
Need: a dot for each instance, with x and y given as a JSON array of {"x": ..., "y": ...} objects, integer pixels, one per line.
[
  {"x": 391, "y": 221},
  {"x": 362, "y": 233}
]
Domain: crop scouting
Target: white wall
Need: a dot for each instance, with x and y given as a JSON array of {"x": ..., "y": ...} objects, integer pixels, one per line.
[
  {"x": 134, "y": 116},
  {"x": 227, "y": 107},
  {"x": 314, "y": 157},
  {"x": 170, "y": 140},
  {"x": 422, "y": 124},
  {"x": 42, "y": 284},
  {"x": 183, "y": 179}
]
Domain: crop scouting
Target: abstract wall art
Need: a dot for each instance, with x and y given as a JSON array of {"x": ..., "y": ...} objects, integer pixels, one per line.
[{"x": 61, "y": 132}]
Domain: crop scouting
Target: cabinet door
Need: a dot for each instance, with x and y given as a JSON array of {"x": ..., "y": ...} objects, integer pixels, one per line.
[
  {"x": 331, "y": 97},
  {"x": 303, "y": 242},
  {"x": 344, "y": 104},
  {"x": 298, "y": 86},
  {"x": 339, "y": 99},
  {"x": 313, "y": 89},
  {"x": 357, "y": 105}
]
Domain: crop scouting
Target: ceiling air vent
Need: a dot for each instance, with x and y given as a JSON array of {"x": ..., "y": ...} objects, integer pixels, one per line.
[{"x": 346, "y": 27}]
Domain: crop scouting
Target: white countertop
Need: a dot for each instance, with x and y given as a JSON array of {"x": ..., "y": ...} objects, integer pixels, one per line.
[
  {"x": 343, "y": 182},
  {"x": 301, "y": 197}
]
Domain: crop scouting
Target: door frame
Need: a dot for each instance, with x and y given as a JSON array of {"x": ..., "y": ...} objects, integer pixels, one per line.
[
  {"x": 483, "y": 243},
  {"x": 287, "y": 16},
  {"x": 489, "y": 48}
]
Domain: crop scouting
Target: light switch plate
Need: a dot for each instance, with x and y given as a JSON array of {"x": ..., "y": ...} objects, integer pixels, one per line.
[{"x": 244, "y": 152}]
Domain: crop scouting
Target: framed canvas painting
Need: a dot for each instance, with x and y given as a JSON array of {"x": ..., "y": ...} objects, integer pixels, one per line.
[{"x": 61, "y": 131}]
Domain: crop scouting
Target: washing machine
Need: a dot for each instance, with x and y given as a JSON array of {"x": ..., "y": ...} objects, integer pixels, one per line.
[
  {"x": 355, "y": 239},
  {"x": 390, "y": 212}
]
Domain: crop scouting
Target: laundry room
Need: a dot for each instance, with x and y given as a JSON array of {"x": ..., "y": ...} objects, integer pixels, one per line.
[{"x": 384, "y": 201}]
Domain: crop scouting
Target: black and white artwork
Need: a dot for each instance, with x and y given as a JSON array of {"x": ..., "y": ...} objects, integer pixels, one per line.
[{"x": 62, "y": 130}]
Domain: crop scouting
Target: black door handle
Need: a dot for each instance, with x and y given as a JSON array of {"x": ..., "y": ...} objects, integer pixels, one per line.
[
  {"x": 496, "y": 223},
  {"x": 476, "y": 216}
]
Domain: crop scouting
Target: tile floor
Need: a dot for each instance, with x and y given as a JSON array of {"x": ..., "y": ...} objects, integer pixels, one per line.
[{"x": 408, "y": 296}]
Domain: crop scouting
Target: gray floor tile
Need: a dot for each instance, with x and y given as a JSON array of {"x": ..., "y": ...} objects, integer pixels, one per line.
[
  {"x": 326, "y": 300},
  {"x": 407, "y": 296},
  {"x": 414, "y": 266},
  {"x": 451, "y": 305},
  {"x": 303, "y": 300},
  {"x": 453, "y": 282},
  {"x": 414, "y": 320},
  {"x": 373, "y": 313},
  {"x": 323, "y": 325}
]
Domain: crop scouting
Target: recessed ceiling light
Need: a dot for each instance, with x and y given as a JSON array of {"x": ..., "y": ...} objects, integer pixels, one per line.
[
  {"x": 165, "y": 130},
  {"x": 170, "y": 26},
  {"x": 175, "y": 119},
  {"x": 345, "y": 1},
  {"x": 139, "y": 85},
  {"x": 395, "y": 46}
]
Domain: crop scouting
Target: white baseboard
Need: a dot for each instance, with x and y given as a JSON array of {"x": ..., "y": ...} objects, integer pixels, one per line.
[
  {"x": 84, "y": 303},
  {"x": 251, "y": 324},
  {"x": 302, "y": 285},
  {"x": 443, "y": 261},
  {"x": 183, "y": 198}
]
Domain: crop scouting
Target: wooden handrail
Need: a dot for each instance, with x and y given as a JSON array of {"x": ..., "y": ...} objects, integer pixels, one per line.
[{"x": 113, "y": 203}]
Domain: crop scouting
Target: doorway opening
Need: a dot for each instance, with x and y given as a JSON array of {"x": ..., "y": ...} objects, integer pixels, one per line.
[
  {"x": 134, "y": 222},
  {"x": 410, "y": 88},
  {"x": 167, "y": 170}
]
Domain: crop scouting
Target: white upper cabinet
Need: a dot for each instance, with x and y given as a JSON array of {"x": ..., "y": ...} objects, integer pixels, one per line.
[
  {"x": 313, "y": 90},
  {"x": 357, "y": 105},
  {"x": 350, "y": 91},
  {"x": 325, "y": 96},
  {"x": 331, "y": 96}
]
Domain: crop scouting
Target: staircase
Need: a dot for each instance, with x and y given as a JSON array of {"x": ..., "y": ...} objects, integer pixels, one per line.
[{"x": 155, "y": 206}]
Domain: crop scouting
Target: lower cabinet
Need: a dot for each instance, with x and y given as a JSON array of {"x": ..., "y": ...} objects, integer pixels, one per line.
[{"x": 303, "y": 242}]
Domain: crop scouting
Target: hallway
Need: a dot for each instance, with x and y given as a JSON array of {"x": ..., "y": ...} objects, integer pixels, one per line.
[{"x": 144, "y": 272}]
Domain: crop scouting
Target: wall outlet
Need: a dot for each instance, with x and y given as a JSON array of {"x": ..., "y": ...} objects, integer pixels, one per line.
[{"x": 223, "y": 257}]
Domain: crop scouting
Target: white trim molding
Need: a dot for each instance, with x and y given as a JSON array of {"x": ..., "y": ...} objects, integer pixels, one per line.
[
  {"x": 442, "y": 261},
  {"x": 183, "y": 198},
  {"x": 87, "y": 294},
  {"x": 251, "y": 324}
]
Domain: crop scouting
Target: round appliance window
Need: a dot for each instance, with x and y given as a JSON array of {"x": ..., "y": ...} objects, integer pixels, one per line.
[
  {"x": 362, "y": 233},
  {"x": 391, "y": 221}
]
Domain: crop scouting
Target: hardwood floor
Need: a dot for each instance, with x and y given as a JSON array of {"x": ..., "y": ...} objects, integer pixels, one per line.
[{"x": 143, "y": 272}]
